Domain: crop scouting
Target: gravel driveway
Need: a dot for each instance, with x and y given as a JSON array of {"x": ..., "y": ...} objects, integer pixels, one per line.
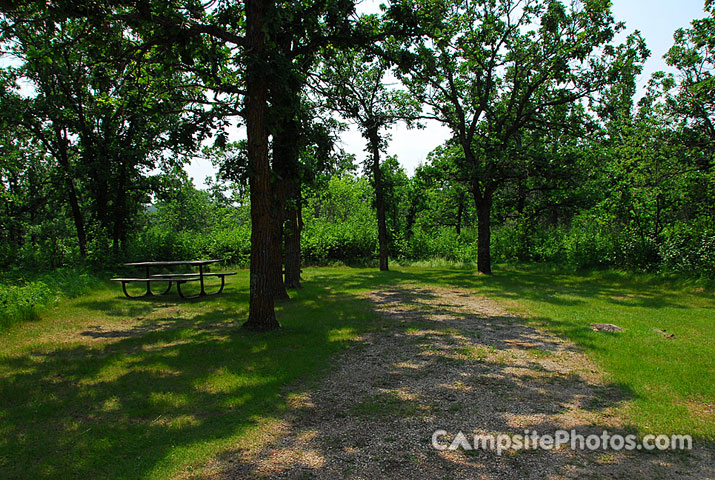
[{"x": 446, "y": 359}]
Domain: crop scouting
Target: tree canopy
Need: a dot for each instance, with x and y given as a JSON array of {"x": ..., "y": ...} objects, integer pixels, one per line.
[{"x": 104, "y": 102}]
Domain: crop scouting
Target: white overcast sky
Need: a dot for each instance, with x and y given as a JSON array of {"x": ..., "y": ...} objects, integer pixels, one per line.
[{"x": 655, "y": 19}]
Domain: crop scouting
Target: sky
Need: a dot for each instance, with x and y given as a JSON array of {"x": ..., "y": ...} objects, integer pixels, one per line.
[{"x": 656, "y": 20}]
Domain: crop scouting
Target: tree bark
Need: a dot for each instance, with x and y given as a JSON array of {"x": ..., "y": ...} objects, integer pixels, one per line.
[
  {"x": 278, "y": 188},
  {"x": 285, "y": 167},
  {"x": 120, "y": 213},
  {"x": 294, "y": 225},
  {"x": 374, "y": 140},
  {"x": 483, "y": 202},
  {"x": 261, "y": 314}
]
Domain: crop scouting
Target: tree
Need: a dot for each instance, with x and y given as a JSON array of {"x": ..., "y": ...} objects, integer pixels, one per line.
[
  {"x": 106, "y": 121},
  {"x": 693, "y": 55},
  {"x": 261, "y": 310},
  {"x": 443, "y": 176},
  {"x": 491, "y": 69},
  {"x": 352, "y": 84}
]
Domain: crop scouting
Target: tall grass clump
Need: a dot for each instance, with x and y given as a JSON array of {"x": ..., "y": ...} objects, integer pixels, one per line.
[{"x": 23, "y": 298}]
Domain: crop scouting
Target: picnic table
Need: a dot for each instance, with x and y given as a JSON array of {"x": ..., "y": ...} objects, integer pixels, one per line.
[{"x": 177, "y": 278}]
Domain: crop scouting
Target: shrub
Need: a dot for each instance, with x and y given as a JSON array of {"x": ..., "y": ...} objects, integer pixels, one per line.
[
  {"x": 18, "y": 303},
  {"x": 21, "y": 299}
]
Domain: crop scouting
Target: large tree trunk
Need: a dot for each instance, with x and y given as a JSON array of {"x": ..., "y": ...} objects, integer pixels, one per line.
[
  {"x": 483, "y": 202},
  {"x": 276, "y": 249},
  {"x": 374, "y": 140},
  {"x": 261, "y": 314},
  {"x": 294, "y": 225}
]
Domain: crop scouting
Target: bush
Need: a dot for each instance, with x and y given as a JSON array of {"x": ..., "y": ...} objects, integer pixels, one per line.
[
  {"x": 339, "y": 223},
  {"x": 231, "y": 245},
  {"x": 323, "y": 241},
  {"x": 689, "y": 251},
  {"x": 21, "y": 299},
  {"x": 18, "y": 303}
]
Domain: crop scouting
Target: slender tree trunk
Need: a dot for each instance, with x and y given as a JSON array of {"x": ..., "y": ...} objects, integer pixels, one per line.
[
  {"x": 76, "y": 216},
  {"x": 261, "y": 314},
  {"x": 63, "y": 160},
  {"x": 285, "y": 160},
  {"x": 521, "y": 196},
  {"x": 14, "y": 230},
  {"x": 460, "y": 212},
  {"x": 276, "y": 249},
  {"x": 374, "y": 140},
  {"x": 483, "y": 202},
  {"x": 411, "y": 214},
  {"x": 100, "y": 186},
  {"x": 120, "y": 213},
  {"x": 294, "y": 225},
  {"x": 522, "y": 253}
]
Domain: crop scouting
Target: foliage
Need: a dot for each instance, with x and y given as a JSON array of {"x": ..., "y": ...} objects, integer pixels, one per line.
[
  {"x": 23, "y": 298},
  {"x": 339, "y": 222},
  {"x": 93, "y": 139},
  {"x": 102, "y": 121},
  {"x": 492, "y": 72}
]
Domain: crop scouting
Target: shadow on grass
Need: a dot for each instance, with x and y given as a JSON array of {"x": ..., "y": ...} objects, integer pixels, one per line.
[
  {"x": 437, "y": 367},
  {"x": 183, "y": 387},
  {"x": 156, "y": 396}
]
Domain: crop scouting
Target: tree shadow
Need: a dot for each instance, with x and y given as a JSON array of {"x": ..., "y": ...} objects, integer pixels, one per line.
[
  {"x": 152, "y": 396},
  {"x": 544, "y": 285},
  {"x": 447, "y": 369},
  {"x": 162, "y": 392}
]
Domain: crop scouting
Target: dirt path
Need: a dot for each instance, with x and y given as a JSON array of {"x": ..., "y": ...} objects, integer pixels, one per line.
[{"x": 448, "y": 360}]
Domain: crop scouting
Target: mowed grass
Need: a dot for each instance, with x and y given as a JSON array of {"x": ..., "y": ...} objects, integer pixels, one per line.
[
  {"x": 104, "y": 387},
  {"x": 664, "y": 360}
]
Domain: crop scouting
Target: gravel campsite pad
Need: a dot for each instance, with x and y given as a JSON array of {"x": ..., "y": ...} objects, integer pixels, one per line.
[{"x": 446, "y": 359}]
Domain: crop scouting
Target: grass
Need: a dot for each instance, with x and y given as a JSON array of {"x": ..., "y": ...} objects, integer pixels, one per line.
[
  {"x": 670, "y": 381},
  {"x": 387, "y": 404},
  {"x": 99, "y": 386},
  {"x": 105, "y": 387},
  {"x": 23, "y": 296}
]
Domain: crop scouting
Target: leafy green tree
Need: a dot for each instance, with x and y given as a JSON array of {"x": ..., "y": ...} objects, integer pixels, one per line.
[
  {"x": 693, "y": 55},
  {"x": 442, "y": 176},
  {"x": 106, "y": 122},
  {"x": 491, "y": 70},
  {"x": 353, "y": 84},
  {"x": 33, "y": 221}
]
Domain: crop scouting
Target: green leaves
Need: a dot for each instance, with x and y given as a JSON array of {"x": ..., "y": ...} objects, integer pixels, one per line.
[{"x": 693, "y": 54}]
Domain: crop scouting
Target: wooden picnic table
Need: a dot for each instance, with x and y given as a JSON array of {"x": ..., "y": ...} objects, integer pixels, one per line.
[{"x": 178, "y": 278}]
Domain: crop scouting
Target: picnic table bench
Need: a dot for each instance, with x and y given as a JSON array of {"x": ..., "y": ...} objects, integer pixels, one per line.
[{"x": 171, "y": 278}]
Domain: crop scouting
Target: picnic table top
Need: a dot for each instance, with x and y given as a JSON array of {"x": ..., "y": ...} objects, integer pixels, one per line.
[{"x": 171, "y": 262}]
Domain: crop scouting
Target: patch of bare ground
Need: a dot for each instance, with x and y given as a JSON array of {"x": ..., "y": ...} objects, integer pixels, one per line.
[{"x": 449, "y": 360}]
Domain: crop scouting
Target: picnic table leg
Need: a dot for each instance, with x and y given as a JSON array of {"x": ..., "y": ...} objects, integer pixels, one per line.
[
  {"x": 178, "y": 289},
  {"x": 186, "y": 297},
  {"x": 201, "y": 279},
  {"x": 126, "y": 294},
  {"x": 167, "y": 289},
  {"x": 223, "y": 282}
]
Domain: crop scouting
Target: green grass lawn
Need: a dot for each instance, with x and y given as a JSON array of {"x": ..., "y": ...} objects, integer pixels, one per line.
[
  {"x": 670, "y": 379},
  {"x": 104, "y": 387}
]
